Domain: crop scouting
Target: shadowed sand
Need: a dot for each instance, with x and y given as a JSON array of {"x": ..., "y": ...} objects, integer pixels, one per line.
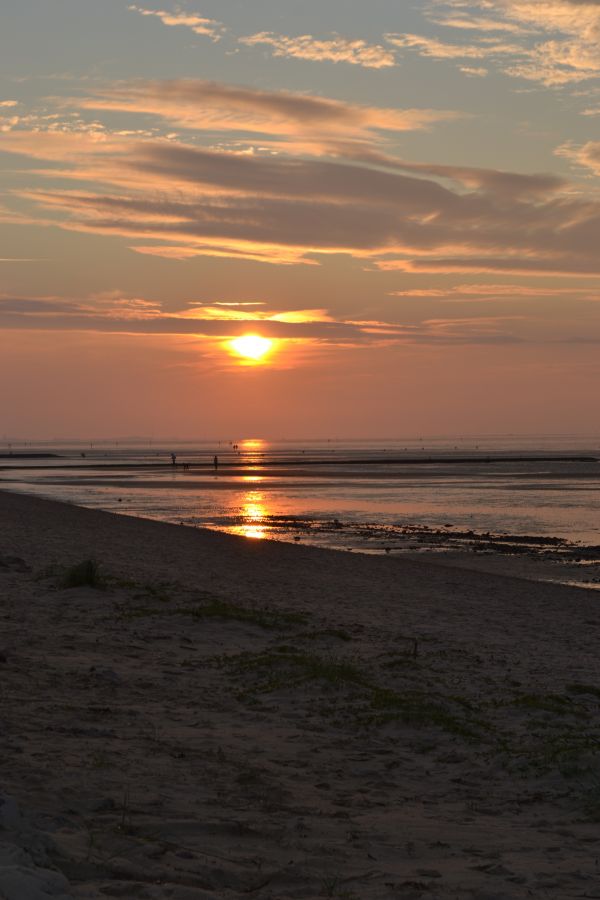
[{"x": 223, "y": 718}]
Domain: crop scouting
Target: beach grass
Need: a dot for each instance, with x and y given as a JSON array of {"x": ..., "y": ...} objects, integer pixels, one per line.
[{"x": 84, "y": 574}]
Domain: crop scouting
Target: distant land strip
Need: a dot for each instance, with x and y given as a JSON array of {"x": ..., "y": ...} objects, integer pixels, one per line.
[
  {"x": 30, "y": 456},
  {"x": 284, "y": 463}
]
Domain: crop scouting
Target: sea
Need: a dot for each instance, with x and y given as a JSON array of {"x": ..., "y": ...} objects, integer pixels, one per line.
[{"x": 493, "y": 495}]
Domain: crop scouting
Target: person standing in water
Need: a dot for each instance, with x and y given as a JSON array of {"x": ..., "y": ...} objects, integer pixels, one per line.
[
  {"x": 216, "y": 462},
  {"x": 173, "y": 458}
]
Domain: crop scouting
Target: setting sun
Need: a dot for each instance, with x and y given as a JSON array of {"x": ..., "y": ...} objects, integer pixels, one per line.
[{"x": 251, "y": 346}]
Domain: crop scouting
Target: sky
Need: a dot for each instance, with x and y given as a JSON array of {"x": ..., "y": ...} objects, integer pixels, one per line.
[{"x": 402, "y": 197}]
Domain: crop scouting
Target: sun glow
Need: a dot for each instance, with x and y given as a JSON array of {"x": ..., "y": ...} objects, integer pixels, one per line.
[{"x": 251, "y": 346}]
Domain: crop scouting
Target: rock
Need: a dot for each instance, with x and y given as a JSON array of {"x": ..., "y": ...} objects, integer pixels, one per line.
[
  {"x": 10, "y": 816},
  {"x": 20, "y": 879},
  {"x": 103, "y": 673}
]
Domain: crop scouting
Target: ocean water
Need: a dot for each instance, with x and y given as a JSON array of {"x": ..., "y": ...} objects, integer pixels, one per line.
[{"x": 494, "y": 493}]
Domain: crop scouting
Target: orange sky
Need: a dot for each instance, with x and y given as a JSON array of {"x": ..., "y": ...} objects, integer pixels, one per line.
[{"x": 406, "y": 204}]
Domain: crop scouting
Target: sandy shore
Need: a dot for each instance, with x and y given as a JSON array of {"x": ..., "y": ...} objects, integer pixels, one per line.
[{"x": 225, "y": 718}]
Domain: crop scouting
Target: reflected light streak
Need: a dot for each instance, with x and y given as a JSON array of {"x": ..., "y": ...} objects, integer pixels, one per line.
[{"x": 254, "y": 512}]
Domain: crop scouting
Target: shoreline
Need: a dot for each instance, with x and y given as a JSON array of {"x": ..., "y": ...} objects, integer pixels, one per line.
[
  {"x": 222, "y": 717},
  {"x": 536, "y": 557}
]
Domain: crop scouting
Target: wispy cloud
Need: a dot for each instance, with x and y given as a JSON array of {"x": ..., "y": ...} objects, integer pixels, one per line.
[
  {"x": 492, "y": 293},
  {"x": 585, "y": 155},
  {"x": 474, "y": 71},
  {"x": 282, "y": 210},
  {"x": 7, "y": 123},
  {"x": 437, "y": 49},
  {"x": 554, "y": 43},
  {"x": 468, "y": 22},
  {"x": 211, "y": 324},
  {"x": 323, "y": 186},
  {"x": 214, "y": 106},
  {"x": 198, "y": 24},
  {"x": 337, "y": 49}
]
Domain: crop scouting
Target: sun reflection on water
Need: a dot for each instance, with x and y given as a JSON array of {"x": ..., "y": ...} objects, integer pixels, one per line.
[{"x": 253, "y": 514}]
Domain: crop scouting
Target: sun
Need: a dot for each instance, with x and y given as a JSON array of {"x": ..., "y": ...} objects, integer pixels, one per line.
[{"x": 251, "y": 346}]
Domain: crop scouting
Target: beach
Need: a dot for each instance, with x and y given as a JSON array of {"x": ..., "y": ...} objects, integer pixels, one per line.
[{"x": 207, "y": 716}]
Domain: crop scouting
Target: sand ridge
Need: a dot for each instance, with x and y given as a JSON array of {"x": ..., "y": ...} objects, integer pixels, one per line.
[{"x": 231, "y": 718}]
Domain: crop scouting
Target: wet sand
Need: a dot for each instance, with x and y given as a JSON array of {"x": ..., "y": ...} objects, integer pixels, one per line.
[{"x": 225, "y": 718}]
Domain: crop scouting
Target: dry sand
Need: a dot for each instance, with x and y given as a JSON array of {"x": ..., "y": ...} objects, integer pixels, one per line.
[{"x": 228, "y": 718}]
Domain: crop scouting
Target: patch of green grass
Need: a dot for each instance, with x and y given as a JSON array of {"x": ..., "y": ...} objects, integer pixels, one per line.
[
  {"x": 220, "y": 610},
  {"x": 567, "y": 749},
  {"x": 265, "y": 618},
  {"x": 331, "y": 886},
  {"x": 100, "y": 760},
  {"x": 587, "y": 795},
  {"x": 83, "y": 574},
  {"x": 402, "y": 662},
  {"x": 417, "y": 708},
  {"x": 317, "y": 634},
  {"x": 558, "y": 747},
  {"x": 578, "y": 688},
  {"x": 159, "y": 590},
  {"x": 285, "y": 668},
  {"x": 551, "y": 703}
]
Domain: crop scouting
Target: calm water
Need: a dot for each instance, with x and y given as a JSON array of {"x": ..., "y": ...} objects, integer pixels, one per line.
[{"x": 387, "y": 496}]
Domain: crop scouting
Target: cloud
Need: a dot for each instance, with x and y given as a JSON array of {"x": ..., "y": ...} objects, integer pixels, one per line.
[
  {"x": 580, "y": 18},
  {"x": 7, "y": 123},
  {"x": 8, "y": 103},
  {"x": 284, "y": 210},
  {"x": 555, "y": 43},
  {"x": 585, "y": 155},
  {"x": 113, "y": 313},
  {"x": 50, "y": 314},
  {"x": 478, "y": 23},
  {"x": 474, "y": 71},
  {"x": 217, "y": 107},
  {"x": 486, "y": 293},
  {"x": 198, "y": 24},
  {"x": 176, "y": 200},
  {"x": 338, "y": 49},
  {"x": 559, "y": 264},
  {"x": 428, "y": 46}
]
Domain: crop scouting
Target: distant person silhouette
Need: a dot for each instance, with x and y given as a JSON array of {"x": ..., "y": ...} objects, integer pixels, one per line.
[
  {"x": 216, "y": 463},
  {"x": 173, "y": 458}
]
